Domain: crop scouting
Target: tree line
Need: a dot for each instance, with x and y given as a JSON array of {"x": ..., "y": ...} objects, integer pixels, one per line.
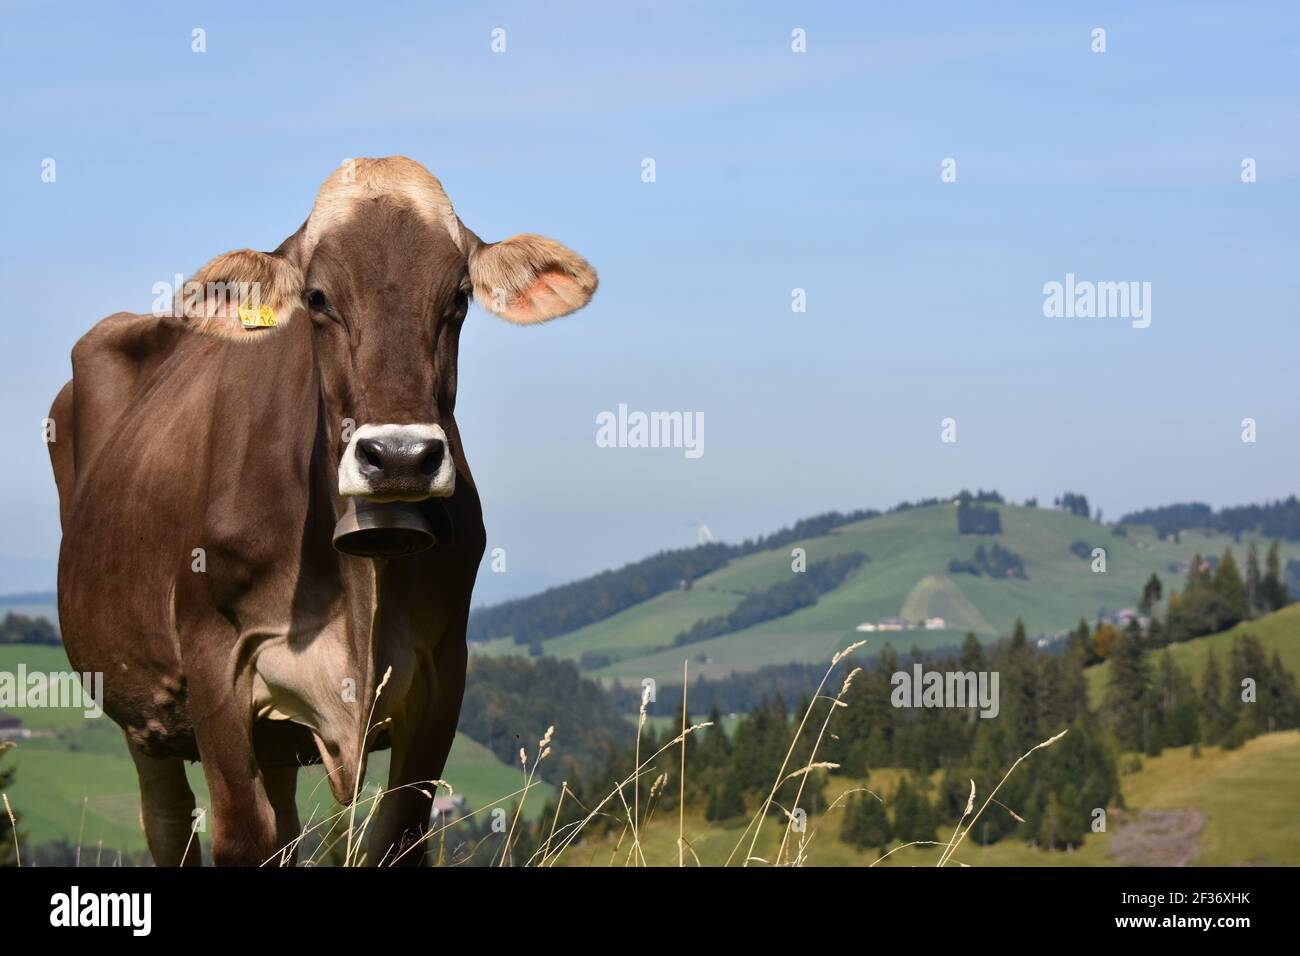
[
  {"x": 997, "y": 561},
  {"x": 1154, "y": 707},
  {"x": 1215, "y": 599},
  {"x": 21, "y": 629},
  {"x": 777, "y": 600},
  {"x": 1074, "y": 503},
  {"x": 974, "y": 518},
  {"x": 1273, "y": 519}
]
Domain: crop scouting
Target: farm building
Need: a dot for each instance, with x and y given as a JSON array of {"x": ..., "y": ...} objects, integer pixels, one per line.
[{"x": 11, "y": 728}]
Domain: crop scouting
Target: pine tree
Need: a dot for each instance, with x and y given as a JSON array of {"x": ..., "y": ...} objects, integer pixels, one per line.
[
  {"x": 913, "y": 816},
  {"x": 1074, "y": 683},
  {"x": 1051, "y": 822},
  {"x": 1174, "y": 699},
  {"x": 1063, "y": 822},
  {"x": 1282, "y": 696},
  {"x": 1127, "y": 696},
  {"x": 1247, "y": 665},
  {"x": 1156, "y": 634},
  {"x": 727, "y": 801},
  {"x": 972, "y": 653},
  {"x": 1252, "y": 580},
  {"x": 876, "y": 830},
  {"x": 1081, "y": 637},
  {"x": 1018, "y": 686},
  {"x": 1213, "y": 717},
  {"x": 851, "y": 829},
  {"x": 865, "y": 823},
  {"x": 1273, "y": 589},
  {"x": 1151, "y": 592},
  {"x": 1230, "y": 593}
]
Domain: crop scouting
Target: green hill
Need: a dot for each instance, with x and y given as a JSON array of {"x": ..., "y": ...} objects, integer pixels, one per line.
[
  {"x": 1277, "y": 632},
  {"x": 907, "y": 576}
]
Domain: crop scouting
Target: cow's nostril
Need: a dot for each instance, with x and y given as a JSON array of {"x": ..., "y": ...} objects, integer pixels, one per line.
[
  {"x": 431, "y": 460},
  {"x": 370, "y": 452}
]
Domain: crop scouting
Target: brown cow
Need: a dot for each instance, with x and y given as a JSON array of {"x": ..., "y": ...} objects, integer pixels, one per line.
[{"x": 204, "y": 460}]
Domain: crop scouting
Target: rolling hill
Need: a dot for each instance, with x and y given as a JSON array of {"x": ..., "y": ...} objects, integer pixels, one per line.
[{"x": 907, "y": 576}]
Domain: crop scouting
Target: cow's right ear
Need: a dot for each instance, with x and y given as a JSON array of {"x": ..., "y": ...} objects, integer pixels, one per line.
[{"x": 241, "y": 292}]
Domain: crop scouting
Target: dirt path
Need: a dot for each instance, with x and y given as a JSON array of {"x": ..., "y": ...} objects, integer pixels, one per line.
[{"x": 1157, "y": 837}]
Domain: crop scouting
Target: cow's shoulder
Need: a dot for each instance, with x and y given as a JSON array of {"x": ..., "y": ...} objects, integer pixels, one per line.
[{"x": 111, "y": 363}]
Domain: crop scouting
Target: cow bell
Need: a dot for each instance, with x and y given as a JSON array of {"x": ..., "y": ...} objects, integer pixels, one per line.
[{"x": 394, "y": 529}]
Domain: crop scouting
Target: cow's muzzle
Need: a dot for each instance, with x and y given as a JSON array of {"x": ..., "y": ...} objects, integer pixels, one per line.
[{"x": 397, "y": 463}]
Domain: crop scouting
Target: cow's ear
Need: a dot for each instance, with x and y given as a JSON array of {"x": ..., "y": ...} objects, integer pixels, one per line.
[
  {"x": 530, "y": 278},
  {"x": 241, "y": 292}
]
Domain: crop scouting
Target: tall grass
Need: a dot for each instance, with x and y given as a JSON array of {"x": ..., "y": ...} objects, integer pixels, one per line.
[
  {"x": 562, "y": 838},
  {"x": 342, "y": 829}
]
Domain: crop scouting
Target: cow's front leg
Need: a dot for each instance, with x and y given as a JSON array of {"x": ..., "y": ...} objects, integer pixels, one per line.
[
  {"x": 243, "y": 821},
  {"x": 282, "y": 788},
  {"x": 419, "y": 755},
  {"x": 166, "y": 809}
]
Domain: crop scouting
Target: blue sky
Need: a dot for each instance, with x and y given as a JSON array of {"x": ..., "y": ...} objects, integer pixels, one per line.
[{"x": 775, "y": 170}]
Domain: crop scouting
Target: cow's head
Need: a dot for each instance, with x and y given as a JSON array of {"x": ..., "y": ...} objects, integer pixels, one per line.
[{"x": 384, "y": 270}]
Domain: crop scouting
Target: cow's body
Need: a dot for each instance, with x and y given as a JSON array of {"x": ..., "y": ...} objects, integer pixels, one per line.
[{"x": 198, "y": 481}]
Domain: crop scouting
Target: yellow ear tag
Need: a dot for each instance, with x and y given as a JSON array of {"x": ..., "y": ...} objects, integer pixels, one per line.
[{"x": 261, "y": 318}]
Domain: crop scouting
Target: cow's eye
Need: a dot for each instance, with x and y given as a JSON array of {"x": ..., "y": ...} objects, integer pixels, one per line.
[{"x": 317, "y": 302}]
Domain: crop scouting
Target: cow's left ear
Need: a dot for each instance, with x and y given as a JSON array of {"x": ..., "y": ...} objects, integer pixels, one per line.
[{"x": 529, "y": 278}]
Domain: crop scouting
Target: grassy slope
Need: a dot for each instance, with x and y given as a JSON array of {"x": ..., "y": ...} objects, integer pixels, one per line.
[
  {"x": 1277, "y": 632},
  {"x": 1248, "y": 797},
  {"x": 910, "y": 552},
  {"x": 86, "y": 760}
]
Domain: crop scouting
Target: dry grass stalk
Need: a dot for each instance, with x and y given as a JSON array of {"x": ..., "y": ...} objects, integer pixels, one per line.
[
  {"x": 361, "y": 758},
  {"x": 634, "y": 852},
  {"x": 1014, "y": 816},
  {"x": 564, "y": 789},
  {"x": 904, "y": 846},
  {"x": 636, "y": 782},
  {"x": 194, "y": 828},
  {"x": 837, "y": 702},
  {"x": 681, "y": 790},
  {"x": 970, "y": 805},
  {"x": 81, "y": 830},
  {"x": 543, "y": 751},
  {"x": 635, "y": 774},
  {"x": 13, "y": 828}
]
